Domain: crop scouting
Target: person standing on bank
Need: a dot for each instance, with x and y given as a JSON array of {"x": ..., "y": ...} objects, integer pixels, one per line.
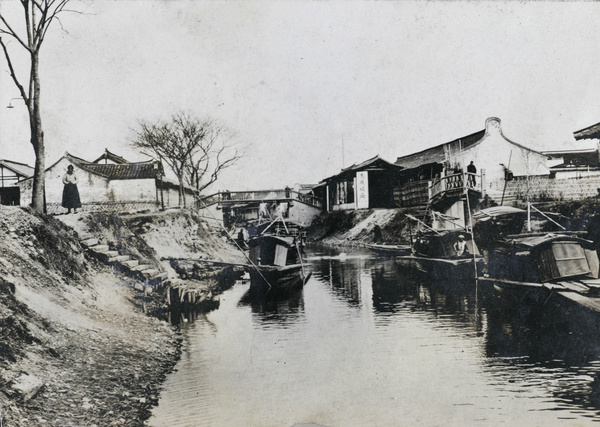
[
  {"x": 471, "y": 169},
  {"x": 70, "y": 197}
]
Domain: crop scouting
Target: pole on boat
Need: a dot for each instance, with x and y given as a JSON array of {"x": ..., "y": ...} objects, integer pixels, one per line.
[
  {"x": 238, "y": 246},
  {"x": 422, "y": 223},
  {"x": 546, "y": 216},
  {"x": 474, "y": 247}
]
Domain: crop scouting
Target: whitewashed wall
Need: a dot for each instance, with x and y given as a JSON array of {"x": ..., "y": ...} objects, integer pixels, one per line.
[{"x": 494, "y": 152}]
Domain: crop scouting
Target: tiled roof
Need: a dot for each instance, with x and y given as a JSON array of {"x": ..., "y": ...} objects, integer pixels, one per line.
[
  {"x": 18, "y": 168},
  {"x": 370, "y": 164},
  {"x": 142, "y": 170},
  {"x": 590, "y": 132},
  {"x": 437, "y": 154},
  {"x": 110, "y": 156},
  {"x": 124, "y": 171}
]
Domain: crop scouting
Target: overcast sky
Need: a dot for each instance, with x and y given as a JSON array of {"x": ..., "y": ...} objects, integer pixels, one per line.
[{"x": 299, "y": 81}]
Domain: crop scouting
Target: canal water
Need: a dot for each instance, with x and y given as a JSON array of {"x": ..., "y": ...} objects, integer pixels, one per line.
[{"x": 366, "y": 344}]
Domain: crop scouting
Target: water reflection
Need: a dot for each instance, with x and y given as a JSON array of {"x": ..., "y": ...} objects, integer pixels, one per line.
[
  {"x": 278, "y": 311},
  {"x": 364, "y": 343}
]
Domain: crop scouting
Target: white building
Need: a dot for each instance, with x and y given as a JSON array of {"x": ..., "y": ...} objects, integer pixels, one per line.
[{"x": 109, "y": 183}]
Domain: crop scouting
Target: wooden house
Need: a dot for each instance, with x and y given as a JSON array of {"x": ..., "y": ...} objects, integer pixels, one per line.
[
  {"x": 12, "y": 173},
  {"x": 369, "y": 184}
]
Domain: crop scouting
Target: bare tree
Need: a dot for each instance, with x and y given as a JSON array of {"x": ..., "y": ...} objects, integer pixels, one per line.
[
  {"x": 194, "y": 149},
  {"x": 216, "y": 153},
  {"x": 38, "y": 16}
]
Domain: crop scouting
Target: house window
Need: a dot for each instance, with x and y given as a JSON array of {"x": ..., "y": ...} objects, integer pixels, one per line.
[
  {"x": 350, "y": 192},
  {"x": 345, "y": 191}
]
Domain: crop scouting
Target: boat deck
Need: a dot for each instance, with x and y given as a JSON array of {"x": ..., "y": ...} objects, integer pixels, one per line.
[{"x": 584, "y": 292}]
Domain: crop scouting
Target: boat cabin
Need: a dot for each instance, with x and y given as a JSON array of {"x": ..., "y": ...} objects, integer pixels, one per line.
[
  {"x": 532, "y": 247},
  {"x": 440, "y": 244},
  {"x": 274, "y": 250},
  {"x": 545, "y": 258}
]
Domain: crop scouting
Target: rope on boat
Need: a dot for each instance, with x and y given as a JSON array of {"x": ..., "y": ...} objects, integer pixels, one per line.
[
  {"x": 545, "y": 216},
  {"x": 422, "y": 223},
  {"x": 238, "y": 246}
]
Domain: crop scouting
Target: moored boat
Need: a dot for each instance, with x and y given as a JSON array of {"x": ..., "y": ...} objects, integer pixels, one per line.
[
  {"x": 434, "y": 253},
  {"x": 390, "y": 250},
  {"x": 278, "y": 266},
  {"x": 535, "y": 262}
]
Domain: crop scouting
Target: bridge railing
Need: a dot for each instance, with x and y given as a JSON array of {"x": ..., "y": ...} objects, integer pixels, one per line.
[
  {"x": 225, "y": 197},
  {"x": 455, "y": 182}
]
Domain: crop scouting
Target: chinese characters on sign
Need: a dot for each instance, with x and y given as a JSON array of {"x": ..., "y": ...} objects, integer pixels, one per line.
[{"x": 362, "y": 190}]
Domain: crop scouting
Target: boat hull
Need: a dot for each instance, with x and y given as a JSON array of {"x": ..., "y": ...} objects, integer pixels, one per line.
[
  {"x": 265, "y": 280},
  {"x": 441, "y": 269},
  {"x": 390, "y": 250}
]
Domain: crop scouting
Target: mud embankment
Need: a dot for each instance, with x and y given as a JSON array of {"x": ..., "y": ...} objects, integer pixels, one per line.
[
  {"x": 76, "y": 347},
  {"x": 356, "y": 227}
]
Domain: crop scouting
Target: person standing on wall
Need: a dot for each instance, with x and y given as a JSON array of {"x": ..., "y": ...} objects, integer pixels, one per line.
[{"x": 70, "y": 197}]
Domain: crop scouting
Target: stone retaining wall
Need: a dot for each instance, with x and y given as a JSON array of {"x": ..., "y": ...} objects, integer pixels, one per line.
[{"x": 545, "y": 189}]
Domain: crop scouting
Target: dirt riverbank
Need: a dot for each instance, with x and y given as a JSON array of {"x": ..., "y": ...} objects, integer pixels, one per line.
[
  {"x": 355, "y": 227},
  {"x": 76, "y": 347}
]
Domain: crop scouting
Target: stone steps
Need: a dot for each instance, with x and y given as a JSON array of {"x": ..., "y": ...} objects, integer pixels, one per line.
[
  {"x": 131, "y": 263},
  {"x": 126, "y": 263},
  {"x": 119, "y": 258}
]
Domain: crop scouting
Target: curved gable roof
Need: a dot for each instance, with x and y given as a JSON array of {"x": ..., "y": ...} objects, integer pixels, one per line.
[{"x": 142, "y": 170}]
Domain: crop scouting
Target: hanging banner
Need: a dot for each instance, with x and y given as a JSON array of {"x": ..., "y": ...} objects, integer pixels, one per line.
[{"x": 362, "y": 190}]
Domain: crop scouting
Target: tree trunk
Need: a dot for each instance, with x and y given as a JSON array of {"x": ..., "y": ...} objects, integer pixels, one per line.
[
  {"x": 37, "y": 139},
  {"x": 181, "y": 192}
]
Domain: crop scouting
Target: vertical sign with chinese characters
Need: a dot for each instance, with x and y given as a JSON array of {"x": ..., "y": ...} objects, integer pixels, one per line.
[{"x": 362, "y": 190}]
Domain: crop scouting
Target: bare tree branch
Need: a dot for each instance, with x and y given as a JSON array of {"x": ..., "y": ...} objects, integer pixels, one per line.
[
  {"x": 38, "y": 16},
  {"x": 12, "y": 32},
  {"x": 196, "y": 150}
]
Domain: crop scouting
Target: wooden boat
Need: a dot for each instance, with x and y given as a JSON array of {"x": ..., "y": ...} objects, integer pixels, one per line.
[
  {"x": 390, "y": 250},
  {"x": 433, "y": 253},
  {"x": 277, "y": 264},
  {"x": 538, "y": 261}
]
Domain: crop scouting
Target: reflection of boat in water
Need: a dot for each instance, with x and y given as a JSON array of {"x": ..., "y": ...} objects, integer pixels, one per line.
[
  {"x": 539, "y": 261},
  {"x": 277, "y": 261},
  {"x": 390, "y": 250},
  {"x": 278, "y": 310},
  {"x": 434, "y": 253}
]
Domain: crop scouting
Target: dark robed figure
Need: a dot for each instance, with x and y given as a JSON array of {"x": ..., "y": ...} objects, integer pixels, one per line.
[{"x": 70, "y": 197}]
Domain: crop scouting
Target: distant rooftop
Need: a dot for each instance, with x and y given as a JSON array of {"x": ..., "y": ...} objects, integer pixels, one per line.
[
  {"x": 110, "y": 156},
  {"x": 590, "y": 132},
  {"x": 374, "y": 163}
]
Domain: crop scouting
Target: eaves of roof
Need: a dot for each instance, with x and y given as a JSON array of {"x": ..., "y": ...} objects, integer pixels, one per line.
[
  {"x": 18, "y": 168},
  {"x": 437, "y": 153},
  {"x": 374, "y": 163},
  {"x": 591, "y": 132}
]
